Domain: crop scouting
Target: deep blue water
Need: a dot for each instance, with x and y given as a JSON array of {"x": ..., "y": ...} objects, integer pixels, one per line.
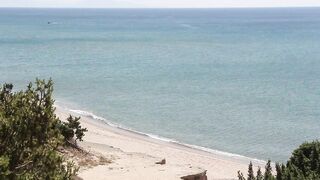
[{"x": 244, "y": 81}]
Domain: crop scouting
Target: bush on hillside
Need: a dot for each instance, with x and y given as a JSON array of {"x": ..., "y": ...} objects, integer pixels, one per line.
[
  {"x": 30, "y": 134},
  {"x": 304, "y": 164},
  {"x": 72, "y": 129}
]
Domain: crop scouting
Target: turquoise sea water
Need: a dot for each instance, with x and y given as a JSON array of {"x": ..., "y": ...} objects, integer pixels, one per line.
[{"x": 244, "y": 81}]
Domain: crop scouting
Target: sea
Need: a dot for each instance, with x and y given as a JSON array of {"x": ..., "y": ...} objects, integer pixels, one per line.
[{"x": 236, "y": 81}]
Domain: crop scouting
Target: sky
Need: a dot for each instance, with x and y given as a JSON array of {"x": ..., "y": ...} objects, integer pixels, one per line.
[{"x": 158, "y": 3}]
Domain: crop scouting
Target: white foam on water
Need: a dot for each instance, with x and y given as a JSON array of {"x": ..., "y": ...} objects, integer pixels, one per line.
[
  {"x": 164, "y": 139},
  {"x": 189, "y": 26}
]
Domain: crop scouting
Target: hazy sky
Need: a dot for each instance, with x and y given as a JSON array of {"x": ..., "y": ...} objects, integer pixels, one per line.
[{"x": 158, "y": 3}]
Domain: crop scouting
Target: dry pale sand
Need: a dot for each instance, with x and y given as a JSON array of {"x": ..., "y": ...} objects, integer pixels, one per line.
[{"x": 134, "y": 155}]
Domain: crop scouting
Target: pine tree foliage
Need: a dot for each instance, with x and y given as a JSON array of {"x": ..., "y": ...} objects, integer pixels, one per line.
[
  {"x": 240, "y": 176},
  {"x": 279, "y": 170},
  {"x": 304, "y": 164},
  {"x": 268, "y": 171},
  {"x": 29, "y": 134},
  {"x": 259, "y": 174},
  {"x": 72, "y": 129},
  {"x": 305, "y": 161},
  {"x": 250, "y": 172}
]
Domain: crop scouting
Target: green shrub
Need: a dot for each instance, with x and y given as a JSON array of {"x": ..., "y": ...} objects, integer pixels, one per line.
[
  {"x": 72, "y": 129},
  {"x": 29, "y": 134},
  {"x": 304, "y": 164}
]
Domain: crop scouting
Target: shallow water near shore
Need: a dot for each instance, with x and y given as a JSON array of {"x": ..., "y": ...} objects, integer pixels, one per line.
[{"x": 243, "y": 81}]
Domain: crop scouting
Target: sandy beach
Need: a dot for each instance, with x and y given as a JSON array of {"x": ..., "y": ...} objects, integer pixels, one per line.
[{"x": 134, "y": 155}]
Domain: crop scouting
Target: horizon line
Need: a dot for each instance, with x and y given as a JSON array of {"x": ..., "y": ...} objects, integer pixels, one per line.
[{"x": 244, "y": 7}]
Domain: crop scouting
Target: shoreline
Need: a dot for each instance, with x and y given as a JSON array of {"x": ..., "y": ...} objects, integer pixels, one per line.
[{"x": 118, "y": 142}]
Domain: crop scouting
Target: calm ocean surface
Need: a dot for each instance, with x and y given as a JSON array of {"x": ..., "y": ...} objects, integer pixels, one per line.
[{"x": 243, "y": 81}]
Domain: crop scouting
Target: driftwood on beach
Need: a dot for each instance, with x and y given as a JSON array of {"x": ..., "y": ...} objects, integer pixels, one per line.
[
  {"x": 199, "y": 176},
  {"x": 162, "y": 162}
]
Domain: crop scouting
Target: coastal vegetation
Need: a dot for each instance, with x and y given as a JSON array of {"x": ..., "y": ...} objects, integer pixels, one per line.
[
  {"x": 31, "y": 134},
  {"x": 304, "y": 164},
  {"x": 31, "y": 138}
]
